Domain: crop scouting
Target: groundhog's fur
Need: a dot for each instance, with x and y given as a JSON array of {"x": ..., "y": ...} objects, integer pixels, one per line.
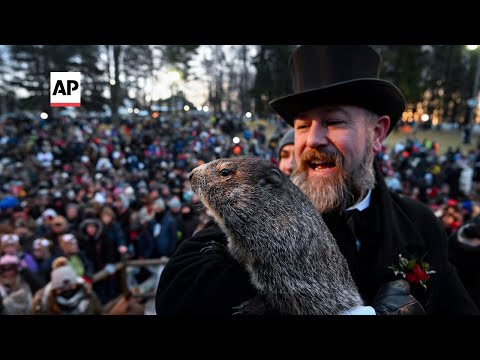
[{"x": 278, "y": 235}]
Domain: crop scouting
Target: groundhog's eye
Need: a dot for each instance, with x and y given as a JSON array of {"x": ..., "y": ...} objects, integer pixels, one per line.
[{"x": 225, "y": 172}]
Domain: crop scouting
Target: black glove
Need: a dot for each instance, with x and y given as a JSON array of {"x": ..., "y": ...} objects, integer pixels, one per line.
[{"x": 394, "y": 298}]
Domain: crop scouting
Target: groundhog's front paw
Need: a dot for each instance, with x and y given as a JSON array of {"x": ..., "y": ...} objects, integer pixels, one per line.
[
  {"x": 213, "y": 246},
  {"x": 254, "y": 306}
]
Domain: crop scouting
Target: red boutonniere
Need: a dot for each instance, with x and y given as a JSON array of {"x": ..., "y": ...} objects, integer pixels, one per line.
[{"x": 412, "y": 270}]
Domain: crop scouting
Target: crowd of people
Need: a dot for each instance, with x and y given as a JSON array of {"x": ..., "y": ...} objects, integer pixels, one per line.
[{"x": 95, "y": 194}]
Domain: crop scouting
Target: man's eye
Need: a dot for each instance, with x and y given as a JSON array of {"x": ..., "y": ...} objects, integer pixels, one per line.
[
  {"x": 225, "y": 172},
  {"x": 334, "y": 122}
]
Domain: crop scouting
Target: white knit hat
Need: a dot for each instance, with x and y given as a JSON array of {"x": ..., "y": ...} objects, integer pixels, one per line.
[{"x": 62, "y": 276}]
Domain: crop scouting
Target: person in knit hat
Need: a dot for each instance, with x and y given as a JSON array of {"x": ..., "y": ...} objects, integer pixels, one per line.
[
  {"x": 68, "y": 247},
  {"x": 9, "y": 244},
  {"x": 65, "y": 294},
  {"x": 44, "y": 221},
  {"x": 285, "y": 151},
  {"x": 15, "y": 293},
  {"x": 42, "y": 253}
]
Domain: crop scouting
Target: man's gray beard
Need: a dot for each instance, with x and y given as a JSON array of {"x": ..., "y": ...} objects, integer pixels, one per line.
[{"x": 341, "y": 190}]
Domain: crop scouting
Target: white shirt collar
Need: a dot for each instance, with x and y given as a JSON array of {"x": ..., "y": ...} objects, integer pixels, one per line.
[{"x": 362, "y": 205}]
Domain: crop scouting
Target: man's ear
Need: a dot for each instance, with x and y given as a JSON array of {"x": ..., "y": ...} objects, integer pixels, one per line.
[{"x": 379, "y": 132}]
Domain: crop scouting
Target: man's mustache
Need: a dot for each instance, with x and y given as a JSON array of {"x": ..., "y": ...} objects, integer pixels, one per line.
[{"x": 321, "y": 156}]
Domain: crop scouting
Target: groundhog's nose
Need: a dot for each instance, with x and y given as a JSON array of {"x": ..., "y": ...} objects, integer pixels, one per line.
[{"x": 198, "y": 169}]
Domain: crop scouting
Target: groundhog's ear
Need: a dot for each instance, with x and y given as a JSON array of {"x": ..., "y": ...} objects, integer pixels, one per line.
[{"x": 273, "y": 178}]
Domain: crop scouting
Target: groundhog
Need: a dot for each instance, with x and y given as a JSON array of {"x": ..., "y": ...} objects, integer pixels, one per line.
[{"x": 276, "y": 233}]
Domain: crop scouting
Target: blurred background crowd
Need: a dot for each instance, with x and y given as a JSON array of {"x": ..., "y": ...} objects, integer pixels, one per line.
[{"x": 97, "y": 195}]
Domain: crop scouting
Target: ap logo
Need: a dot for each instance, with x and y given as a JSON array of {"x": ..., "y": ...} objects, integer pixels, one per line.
[{"x": 65, "y": 89}]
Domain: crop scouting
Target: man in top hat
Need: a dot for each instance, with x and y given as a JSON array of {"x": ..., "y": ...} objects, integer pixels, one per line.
[{"x": 396, "y": 249}]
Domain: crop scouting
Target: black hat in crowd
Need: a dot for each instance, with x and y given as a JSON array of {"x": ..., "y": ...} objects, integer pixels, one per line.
[{"x": 339, "y": 74}]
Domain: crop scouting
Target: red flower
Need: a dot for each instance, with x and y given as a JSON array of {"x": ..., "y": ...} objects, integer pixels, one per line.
[
  {"x": 412, "y": 271},
  {"x": 411, "y": 278},
  {"x": 419, "y": 274}
]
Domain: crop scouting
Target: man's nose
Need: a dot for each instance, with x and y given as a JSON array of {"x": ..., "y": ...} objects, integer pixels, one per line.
[{"x": 317, "y": 135}]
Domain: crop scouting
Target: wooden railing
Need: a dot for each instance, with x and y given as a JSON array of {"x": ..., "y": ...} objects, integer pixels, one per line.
[{"x": 121, "y": 265}]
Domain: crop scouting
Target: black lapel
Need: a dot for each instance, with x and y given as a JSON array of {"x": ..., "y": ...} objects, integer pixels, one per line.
[{"x": 398, "y": 234}]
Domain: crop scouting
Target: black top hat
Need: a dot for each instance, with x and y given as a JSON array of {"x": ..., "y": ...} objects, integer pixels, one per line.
[{"x": 342, "y": 75}]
